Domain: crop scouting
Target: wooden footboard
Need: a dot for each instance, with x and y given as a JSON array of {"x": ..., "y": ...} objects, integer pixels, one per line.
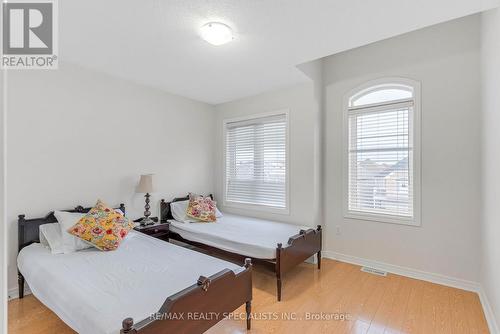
[
  {"x": 200, "y": 306},
  {"x": 300, "y": 247}
]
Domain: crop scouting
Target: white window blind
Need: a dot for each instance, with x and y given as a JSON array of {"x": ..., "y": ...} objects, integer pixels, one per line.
[
  {"x": 381, "y": 152},
  {"x": 256, "y": 161}
]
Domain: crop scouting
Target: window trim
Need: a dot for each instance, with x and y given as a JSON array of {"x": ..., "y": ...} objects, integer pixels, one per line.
[
  {"x": 257, "y": 207},
  {"x": 384, "y": 218}
]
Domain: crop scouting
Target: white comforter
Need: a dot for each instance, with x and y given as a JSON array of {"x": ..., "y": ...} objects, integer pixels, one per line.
[
  {"x": 247, "y": 236},
  {"x": 93, "y": 291}
]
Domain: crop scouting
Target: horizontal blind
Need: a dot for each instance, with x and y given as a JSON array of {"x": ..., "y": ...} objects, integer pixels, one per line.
[
  {"x": 380, "y": 165},
  {"x": 256, "y": 162}
]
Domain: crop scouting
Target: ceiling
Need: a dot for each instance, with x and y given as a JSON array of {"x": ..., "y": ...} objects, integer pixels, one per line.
[{"x": 156, "y": 42}]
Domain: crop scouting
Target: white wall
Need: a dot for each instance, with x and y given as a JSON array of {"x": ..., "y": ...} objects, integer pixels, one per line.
[
  {"x": 490, "y": 273},
  {"x": 3, "y": 265},
  {"x": 445, "y": 59},
  {"x": 301, "y": 102},
  {"x": 314, "y": 71},
  {"x": 75, "y": 136}
]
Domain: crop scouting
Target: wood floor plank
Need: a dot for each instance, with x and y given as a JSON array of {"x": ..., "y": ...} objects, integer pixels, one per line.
[
  {"x": 429, "y": 308},
  {"x": 348, "y": 302},
  {"x": 413, "y": 320},
  {"x": 357, "y": 325},
  {"x": 475, "y": 317},
  {"x": 375, "y": 304},
  {"x": 394, "y": 323},
  {"x": 381, "y": 318},
  {"x": 443, "y": 314},
  {"x": 459, "y": 315},
  {"x": 373, "y": 301}
]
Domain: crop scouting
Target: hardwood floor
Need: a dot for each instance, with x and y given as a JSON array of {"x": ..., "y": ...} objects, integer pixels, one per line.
[{"x": 373, "y": 304}]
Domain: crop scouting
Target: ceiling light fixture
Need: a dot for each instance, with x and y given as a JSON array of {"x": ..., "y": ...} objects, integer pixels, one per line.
[{"x": 216, "y": 33}]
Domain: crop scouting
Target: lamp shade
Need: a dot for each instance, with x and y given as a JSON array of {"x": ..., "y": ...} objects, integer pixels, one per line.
[{"x": 145, "y": 184}]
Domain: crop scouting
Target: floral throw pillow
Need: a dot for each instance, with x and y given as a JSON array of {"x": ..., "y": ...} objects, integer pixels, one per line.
[
  {"x": 103, "y": 227},
  {"x": 201, "y": 208}
]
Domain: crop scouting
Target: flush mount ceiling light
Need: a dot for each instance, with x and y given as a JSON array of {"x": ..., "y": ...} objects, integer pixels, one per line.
[{"x": 216, "y": 33}]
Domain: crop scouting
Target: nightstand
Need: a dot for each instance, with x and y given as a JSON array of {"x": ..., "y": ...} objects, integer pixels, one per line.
[{"x": 157, "y": 230}]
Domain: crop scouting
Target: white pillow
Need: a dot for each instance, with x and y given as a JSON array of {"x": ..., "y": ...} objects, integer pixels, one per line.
[
  {"x": 67, "y": 220},
  {"x": 179, "y": 212},
  {"x": 51, "y": 237},
  {"x": 43, "y": 240}
]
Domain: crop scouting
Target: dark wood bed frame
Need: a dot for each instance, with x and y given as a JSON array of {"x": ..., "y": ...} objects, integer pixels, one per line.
[
  {"x": 299, "y": 248},
  {"x": 208, "y": 301}
]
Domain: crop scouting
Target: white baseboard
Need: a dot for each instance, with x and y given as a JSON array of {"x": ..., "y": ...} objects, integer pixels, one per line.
[
  {"x": 312, "y": 260},
  {"x": 488, "y": 312},
  {"x": 408, "y": 272},
  {"x": 424, "y": 276},
  {"x": 14, "y": 292}
]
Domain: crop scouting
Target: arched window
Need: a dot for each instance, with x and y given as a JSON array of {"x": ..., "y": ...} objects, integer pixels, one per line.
[
  {"x": 382, "y": 155},
  {"x": 383, "y": 93}
]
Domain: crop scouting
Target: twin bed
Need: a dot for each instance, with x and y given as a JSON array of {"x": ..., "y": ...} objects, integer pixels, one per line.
[
  {"x": 279, "y": 246},
  {"x": 168, "y": 288}
]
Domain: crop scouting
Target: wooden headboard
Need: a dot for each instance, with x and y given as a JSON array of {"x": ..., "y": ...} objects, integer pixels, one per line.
[
  {"x": 166, "y": 213},
  {"x": 29, "y": 229}
]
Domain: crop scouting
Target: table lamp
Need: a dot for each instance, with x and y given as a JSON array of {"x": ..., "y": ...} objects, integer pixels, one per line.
[{"x": 146, "y": 186}]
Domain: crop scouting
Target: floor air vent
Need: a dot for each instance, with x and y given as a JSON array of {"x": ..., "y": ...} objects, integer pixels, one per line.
[{"x": 374, "y": 271}]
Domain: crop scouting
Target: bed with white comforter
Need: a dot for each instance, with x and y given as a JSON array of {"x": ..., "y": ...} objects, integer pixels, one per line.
[
  {"x": 256, "y": 238},
  {"x": 93, "y": 291}
]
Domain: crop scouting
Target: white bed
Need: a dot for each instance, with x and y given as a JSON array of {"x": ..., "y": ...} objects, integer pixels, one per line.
[
  {"x": 256, "y": 238},
  {"x": 93, "y": 291}
]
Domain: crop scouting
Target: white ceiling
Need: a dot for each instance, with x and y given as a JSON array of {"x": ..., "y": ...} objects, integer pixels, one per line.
[{"x": 156, "y": 42}]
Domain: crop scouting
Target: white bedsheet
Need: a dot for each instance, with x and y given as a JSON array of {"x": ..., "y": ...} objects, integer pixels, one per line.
[
  {"x": 93, "y": 291},
  {"x": 247, "y": 236}
]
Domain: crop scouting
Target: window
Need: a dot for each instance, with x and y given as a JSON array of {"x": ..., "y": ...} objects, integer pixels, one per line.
[
  {"x": 382, "y": 153},
  {"x": 256, "y": 162}
]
